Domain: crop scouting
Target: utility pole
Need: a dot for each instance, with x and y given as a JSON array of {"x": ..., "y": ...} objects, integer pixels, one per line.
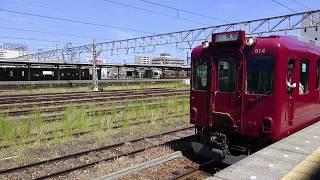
[
  {"x": 188, "y": 58},
  {"x": 95, "y": 86}
]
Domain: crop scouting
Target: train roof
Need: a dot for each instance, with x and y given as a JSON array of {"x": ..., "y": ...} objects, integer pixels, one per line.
[
  {"x": 289, "y": 43},
  {"x": 276, "y": 41}
]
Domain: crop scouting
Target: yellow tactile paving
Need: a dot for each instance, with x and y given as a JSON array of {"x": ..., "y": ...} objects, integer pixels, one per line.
[
  {"x": 307, "y": 169},
  {"x": 315, "y": 156}
]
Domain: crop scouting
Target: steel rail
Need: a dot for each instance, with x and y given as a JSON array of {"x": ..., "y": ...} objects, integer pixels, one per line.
[
  {"x": 94, "y": 99},
  {"x": 79, "y": 96},
  {"x": 78, "y": 154},
  {"x": 56, "y": 113}
]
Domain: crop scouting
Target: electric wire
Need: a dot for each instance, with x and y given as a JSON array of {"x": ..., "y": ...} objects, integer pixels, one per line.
[
  {"x": 52, "y": 33},
  {"x": 154, "y": 12},
  {"x": 74, "y": 21},
  {"x": 185, "y": 11},
  {"x": 34, "y": 39},
  {"x": 291, "y": 9},
  {"x": 284, "y": 6},
  {"x": 303, "y": 5}
]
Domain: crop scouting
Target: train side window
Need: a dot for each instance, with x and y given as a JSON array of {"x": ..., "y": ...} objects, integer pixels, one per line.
[
  {"x": 260, "y": 75},
  {"x": 318, "y": 74},
  {"x": 304, "y": 77},
  {"x": 200, "y": 75}
]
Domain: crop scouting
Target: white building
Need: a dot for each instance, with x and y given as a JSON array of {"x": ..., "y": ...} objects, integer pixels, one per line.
[
  {"x": 10, "y": 50},
  {"x": 142, "y": 60},
  {"x": 166, "y": 59},
  {"x": 311, "y": 34}
]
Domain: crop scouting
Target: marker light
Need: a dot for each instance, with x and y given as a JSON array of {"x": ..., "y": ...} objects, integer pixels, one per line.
[
  {"x": 205, "y": 44},
  {"x": 250, "y": 41}
]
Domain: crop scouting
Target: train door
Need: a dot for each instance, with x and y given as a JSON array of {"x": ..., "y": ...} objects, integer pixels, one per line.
[
  {"x": 227, "y": 97},
  {"x": 258, "y": 101},
  {"x": 290, "y": 87},
  {"x": 200, "y": 92}
]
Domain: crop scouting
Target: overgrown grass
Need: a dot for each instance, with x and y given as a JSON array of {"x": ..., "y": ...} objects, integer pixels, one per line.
[
  {"x": 25, "y": 128},
  {"x": 77, "y": 119},
  {"x": 8, "y": 129}
]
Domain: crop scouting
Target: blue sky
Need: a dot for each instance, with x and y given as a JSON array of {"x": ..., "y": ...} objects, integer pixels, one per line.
[{"x": 52, "y": 33}]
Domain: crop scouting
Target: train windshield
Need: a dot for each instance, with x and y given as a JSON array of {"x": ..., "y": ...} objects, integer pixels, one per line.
[
  {"x": 260, "y": 75},
  {"x": 200, "y": 75},
  {"x": 227, "y": 74}
]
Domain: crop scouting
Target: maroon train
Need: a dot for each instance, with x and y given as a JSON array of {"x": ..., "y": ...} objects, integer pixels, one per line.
[{"x": 240, "y": 95}]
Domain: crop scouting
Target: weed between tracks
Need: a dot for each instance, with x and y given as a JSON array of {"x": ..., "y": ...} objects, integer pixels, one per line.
[
  {"x": 78, "y": 120},
  {"x": 124, "y": 86}
]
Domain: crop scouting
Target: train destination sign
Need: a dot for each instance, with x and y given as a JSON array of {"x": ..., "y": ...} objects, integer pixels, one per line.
[{"x": 227, "y": 37}]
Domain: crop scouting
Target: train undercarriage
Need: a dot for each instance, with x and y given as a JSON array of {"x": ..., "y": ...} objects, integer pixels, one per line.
[{"x": 217, "y": 145}]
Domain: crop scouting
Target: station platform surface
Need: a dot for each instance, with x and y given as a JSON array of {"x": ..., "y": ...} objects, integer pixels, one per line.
[{"x": 295, "y": 157}]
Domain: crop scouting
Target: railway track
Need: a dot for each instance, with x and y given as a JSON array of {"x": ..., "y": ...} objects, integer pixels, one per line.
[
  {"x": 56, "y": 115},
  {"x": 63, "y": 165},
  {"x": 50, "y": 135},
  {"x": 49, "y": 109},
  {"x": 74, "y": 96},
  {"x": 194, "y": 172},
  {"x": 17, "y": 96},
  {"x": 181, "y": 164}
]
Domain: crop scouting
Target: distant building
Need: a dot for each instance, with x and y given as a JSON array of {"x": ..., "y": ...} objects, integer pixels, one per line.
[
  {"x": 10, "y": 50},
  {"x": 166, "y": 59},
  {"x": 142, "y": 60},
  {"x": 311, "y": 34}
]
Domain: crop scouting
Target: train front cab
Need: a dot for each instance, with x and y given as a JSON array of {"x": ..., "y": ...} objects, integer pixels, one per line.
[
  {"x": 232, "y": 93},
  {"x": 239, "y": 94}
]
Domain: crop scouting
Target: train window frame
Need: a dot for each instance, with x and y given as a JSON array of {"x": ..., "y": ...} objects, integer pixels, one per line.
[
  {"x": 195, "y": 79},
  {"x": 292, "y": 67},
  {"x": 233, "y": 75},
  {"x": 271, "y": 76},
  {"x": 318, "y": 74},
  {"x": 304, "y": 87}
]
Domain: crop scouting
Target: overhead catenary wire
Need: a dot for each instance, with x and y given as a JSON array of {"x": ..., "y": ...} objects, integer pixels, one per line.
[
  {"x": 303, "y": 5},
  {"x": 74, "y": 21},
  {"x": 154, "y": 12},
  {"x": 285, "y": 6},
  {"x": 185, "y": 11},
  {"x": 34, "y": 39},
  {"x": 190, "y": 36},
  {"x": 52, "y": 33}
]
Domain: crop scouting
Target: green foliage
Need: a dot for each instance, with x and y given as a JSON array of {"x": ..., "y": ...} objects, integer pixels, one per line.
[
  {"x": 8, "y": 129},
  {"x": 100, "y": 120},
  {"x": 37, "y": 119},
  {"x": 113, "y": 113},
  {"x": 80, "y": 121},
  {"x": 142, "y": 85},
  {"x": 24, "y": 128},
  {"x": 125, "y": 120},
  {"x": 68, "y": 120}
]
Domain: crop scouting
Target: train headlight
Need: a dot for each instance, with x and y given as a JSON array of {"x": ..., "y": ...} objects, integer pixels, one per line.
[
  {"x": 205, "y": 44},
  {"x": 250, "y": 41}
]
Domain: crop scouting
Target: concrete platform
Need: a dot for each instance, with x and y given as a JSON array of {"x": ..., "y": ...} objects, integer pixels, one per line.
[{"x": 295, "y": 157}]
